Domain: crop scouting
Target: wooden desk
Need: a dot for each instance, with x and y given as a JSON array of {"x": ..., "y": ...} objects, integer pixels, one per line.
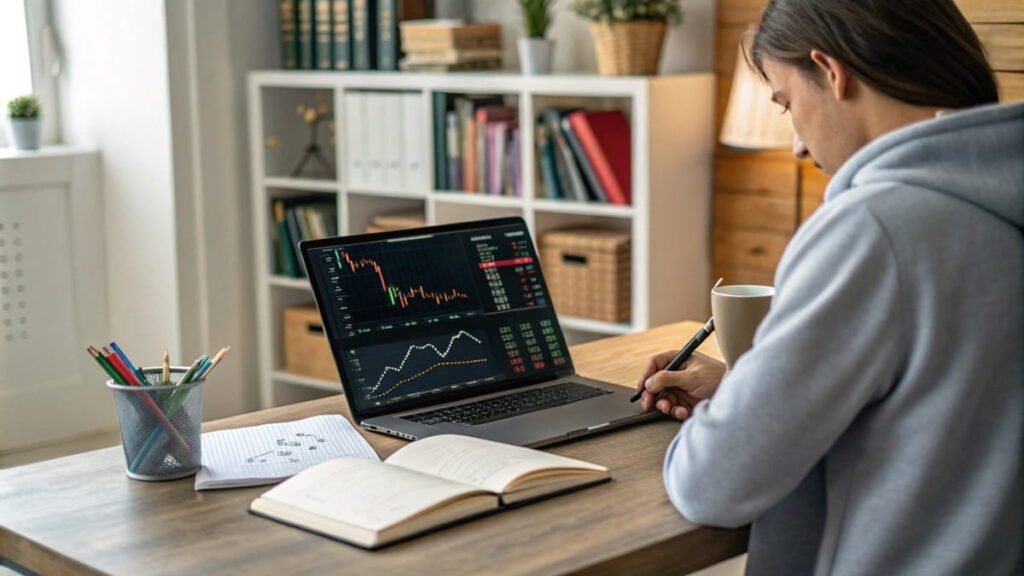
[{"x": 82, "y": 514}]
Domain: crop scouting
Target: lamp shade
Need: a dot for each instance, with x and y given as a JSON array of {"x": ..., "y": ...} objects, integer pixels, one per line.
[{"x": 752, "y": 121}]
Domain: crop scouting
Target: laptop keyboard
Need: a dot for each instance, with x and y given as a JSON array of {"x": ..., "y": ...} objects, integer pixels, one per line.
[{"x": 502, "y": 407}]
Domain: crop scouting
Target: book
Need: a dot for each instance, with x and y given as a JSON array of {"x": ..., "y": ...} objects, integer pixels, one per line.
[
  {"x": 442, "y": 103},
  {"x": 287, "y": 29},
  {"x": 307, "y": 49},
  {"x": 462, "y": 67},
  {"x": 286, "y": 263},
  {"x": 593, "y": 184},
  {"x": 424, "y": 486},
  {"x": 323, "y": 34},
  {"x": 454, "y": 150},
  {"x": 546, "y": 154},
  {"x": 604, "y": 136},
  {"x": 342, "y": 35},
  {"x": 515, "y": 164},
  {"x": 270, "y": 453},
  {"x": 568, "y": 172},
  {"x": 400, "y": 220},
  {"x": 363, "y": 20},
  {"x": 484, "y": 116},
  {"x": 450, "y": 57},
  {"x": 466, "y": 106},
  {"x": 390, "y": 13},
  {"x": 431, "y": 35}
]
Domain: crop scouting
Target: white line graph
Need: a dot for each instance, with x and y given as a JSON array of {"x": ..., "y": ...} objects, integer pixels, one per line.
[{"x": 401, "y": 365}]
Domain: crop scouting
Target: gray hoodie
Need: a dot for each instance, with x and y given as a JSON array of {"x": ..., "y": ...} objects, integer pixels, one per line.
[{"x": 876, "y": 425}]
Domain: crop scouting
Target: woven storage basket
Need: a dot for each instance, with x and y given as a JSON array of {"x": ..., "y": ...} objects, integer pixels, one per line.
[
  {"x": 306, "y": 351},
  {"x": 588, "y": 271},
  {"x": 628, "y": 48}
]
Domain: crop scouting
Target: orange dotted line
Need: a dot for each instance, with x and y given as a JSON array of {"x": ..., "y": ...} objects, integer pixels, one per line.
[{"x": 417, "y": 375}]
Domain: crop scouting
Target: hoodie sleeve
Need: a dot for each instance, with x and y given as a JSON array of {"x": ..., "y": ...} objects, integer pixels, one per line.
[{"x": 831, "y": 344}]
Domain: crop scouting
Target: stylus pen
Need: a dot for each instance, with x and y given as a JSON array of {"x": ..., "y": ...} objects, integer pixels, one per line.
[{"x": 686, "y": 352}]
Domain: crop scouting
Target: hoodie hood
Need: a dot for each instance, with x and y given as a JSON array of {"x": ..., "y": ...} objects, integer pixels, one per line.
[{"x": 975, "y": 154}]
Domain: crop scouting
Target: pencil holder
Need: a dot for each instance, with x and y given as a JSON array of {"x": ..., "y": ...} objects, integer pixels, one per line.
[{"x": 160, "y": 425}]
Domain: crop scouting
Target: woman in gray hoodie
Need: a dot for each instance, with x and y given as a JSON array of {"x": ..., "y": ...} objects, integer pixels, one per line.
[{"x": 876, "y": 425}]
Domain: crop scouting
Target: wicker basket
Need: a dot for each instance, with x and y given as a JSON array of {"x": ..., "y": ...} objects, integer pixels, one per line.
[
  {"x": 628, "y": 48},
  {"x": 588, "y": 271}
]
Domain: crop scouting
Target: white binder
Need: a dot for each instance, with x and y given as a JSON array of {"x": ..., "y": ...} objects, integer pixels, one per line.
[
  {"x": 414, "y": 142},
  {"x": 390, "y": 137}
]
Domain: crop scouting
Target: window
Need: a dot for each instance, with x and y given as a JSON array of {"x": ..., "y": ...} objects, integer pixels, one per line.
[{"x": 29, "y": 60}]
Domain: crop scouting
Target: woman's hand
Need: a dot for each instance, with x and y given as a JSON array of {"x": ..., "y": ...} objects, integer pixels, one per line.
[{"x": 676, "y": 393}]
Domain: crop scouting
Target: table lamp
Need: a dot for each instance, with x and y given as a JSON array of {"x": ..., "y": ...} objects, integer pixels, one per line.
[{"x": 752, "y": 121}]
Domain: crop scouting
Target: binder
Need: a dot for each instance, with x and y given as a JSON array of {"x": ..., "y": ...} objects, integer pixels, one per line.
[
  {"x": 355, "y": 116},
  {"x": 413, "y": 142},
  {"x": 374, "y": 137},
  {"x": 392, "y": 127}
]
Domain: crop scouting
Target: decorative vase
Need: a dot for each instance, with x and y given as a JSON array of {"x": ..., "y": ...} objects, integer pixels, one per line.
[
  {"x": 535, "y": 55},
  {"x": 25, "y": 132},
  {"x": 628, "y": 48}
]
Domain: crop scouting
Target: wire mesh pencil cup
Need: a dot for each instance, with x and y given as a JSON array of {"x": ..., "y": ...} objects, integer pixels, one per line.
[{"x": 160, "y": 425}]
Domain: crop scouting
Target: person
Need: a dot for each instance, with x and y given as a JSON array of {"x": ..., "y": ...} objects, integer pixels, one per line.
[{"x": 875, "y": 426}]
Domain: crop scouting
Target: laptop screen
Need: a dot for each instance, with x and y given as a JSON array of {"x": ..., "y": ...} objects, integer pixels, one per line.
[{"x": 424, "y": 316}]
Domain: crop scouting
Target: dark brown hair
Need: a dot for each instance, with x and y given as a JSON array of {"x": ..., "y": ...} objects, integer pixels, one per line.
[{"x": 921, "y": 52}]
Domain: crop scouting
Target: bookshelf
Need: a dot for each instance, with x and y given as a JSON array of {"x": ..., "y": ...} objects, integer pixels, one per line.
[{"x": 669, "y": 219}]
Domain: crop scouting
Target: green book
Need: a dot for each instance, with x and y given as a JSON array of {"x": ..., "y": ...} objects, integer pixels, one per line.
[
  {"x": 287, "y": 32},
  {"x": 342, "y": 33},
  {"x": 285, "y": 254},
  {"x": 364, "y": 45},
  {"x": 390, "y": 13},
  {"x": 441, "y": 105},
  {"x": 323, "y": 33},
  {"x": 307, "y": 49}
]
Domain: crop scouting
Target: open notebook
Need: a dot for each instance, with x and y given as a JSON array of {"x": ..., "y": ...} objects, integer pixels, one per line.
[{"x": 426, "y": 485}]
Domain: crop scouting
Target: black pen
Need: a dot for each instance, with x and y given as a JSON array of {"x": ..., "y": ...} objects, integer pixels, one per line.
[{"x": 686, "y": 352}]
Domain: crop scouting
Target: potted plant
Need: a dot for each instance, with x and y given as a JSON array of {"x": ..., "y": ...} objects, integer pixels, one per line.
[
  {"x": 535, "y": 51},
  {"x": 628, "y": 34},
  {"x": 23, "y": 119}
]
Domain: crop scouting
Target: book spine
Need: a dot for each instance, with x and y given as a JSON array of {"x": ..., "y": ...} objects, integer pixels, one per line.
[
  {"x": 287, "y": 28},
  {"x": 324, "y": 40},
  {"x": 307, "y": 49},
  {"x": 364, "y": 47},
  {"x": 387, "y": 35},
  {"x": 342, "y": 35},
  {"x": 286, "y": 255},
  {"x": 572, "y": 178},
  {"x": 547, "y": 160},
  {"x": 440, "y": 141},
  {"x": 295, "y": 236},
  {"x": 454, "y": 154},
  {"x": 516, "y": 163},
  {"x": 593, "y": 185}
]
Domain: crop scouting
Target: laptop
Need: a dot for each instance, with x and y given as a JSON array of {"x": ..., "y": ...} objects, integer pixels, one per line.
[{"x": 451, "y": 330}]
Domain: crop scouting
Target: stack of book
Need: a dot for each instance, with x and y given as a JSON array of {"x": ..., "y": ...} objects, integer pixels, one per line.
[
  {"x": 477, "y": 144},
  {"x": 344, "y": 34},
  {"x": 450, "y": 45},
  {"x": 585, "y": 155},
  {"x": 298, "y": 219}
]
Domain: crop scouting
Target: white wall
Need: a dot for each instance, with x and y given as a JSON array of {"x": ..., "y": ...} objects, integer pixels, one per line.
[
  {"x": 688, "y": 47},
  {"x": 115, "y": 98}
]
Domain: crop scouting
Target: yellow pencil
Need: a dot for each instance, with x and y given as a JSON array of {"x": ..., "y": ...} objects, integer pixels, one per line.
[{"x": 166, "y": 376}]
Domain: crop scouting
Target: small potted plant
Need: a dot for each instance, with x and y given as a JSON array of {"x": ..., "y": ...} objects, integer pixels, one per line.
[
  {"x": 23, "y": 119},
  {"x": 535, "y": 50},
  {"x": 628, "y": 34}
]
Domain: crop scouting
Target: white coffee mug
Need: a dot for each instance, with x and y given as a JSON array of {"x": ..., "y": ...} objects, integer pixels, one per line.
[{"x": 738, "y": 310}]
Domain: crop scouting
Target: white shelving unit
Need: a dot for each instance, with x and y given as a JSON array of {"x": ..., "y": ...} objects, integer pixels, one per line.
[{"x": 671, "y": 120}]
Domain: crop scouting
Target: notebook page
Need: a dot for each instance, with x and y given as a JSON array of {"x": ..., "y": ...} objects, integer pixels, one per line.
[
  {"x": 477, "y": 462},
  {"x": 270, "y": 453}
]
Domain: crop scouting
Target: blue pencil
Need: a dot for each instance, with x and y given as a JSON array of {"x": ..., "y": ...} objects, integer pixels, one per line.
[{"x": 128, "y": 363}]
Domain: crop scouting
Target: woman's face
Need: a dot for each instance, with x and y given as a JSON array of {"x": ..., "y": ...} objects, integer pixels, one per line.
[{"x": 822, "y": 122}]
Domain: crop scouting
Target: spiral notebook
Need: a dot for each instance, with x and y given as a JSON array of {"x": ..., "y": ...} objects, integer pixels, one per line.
[{"x": 270, "y": 453}]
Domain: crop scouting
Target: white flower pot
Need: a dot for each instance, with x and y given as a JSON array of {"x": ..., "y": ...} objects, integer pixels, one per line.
[
  {"x": 25, "y": 132},
  {"x": 535, "y": 55}
]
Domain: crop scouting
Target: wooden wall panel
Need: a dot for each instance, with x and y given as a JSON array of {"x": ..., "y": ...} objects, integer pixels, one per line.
[
  {"x": 739, "y": 12},
  {"x": 743, "y": 248},
  {"x": 751, "y": 175},
  {"x": 755, "y": 212},
  {"x": 1004, "y": 44},
  {"x": 1011, "y": 86},
  {"x": 987, "y": 11},
  {"x": 732, "y": 275}
]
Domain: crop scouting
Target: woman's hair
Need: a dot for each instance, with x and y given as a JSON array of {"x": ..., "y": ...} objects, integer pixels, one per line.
[{"x": 920, "y": 52}]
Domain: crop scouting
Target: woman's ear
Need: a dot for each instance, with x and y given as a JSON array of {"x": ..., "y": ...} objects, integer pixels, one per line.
[{"x": 837, "y": 76}]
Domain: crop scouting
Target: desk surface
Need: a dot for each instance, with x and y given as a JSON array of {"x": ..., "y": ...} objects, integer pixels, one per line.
[{"x": 82, "y": 514}]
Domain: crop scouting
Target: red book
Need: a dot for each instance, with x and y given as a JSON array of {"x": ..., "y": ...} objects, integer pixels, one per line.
[{"x": 605, "y": 138}]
